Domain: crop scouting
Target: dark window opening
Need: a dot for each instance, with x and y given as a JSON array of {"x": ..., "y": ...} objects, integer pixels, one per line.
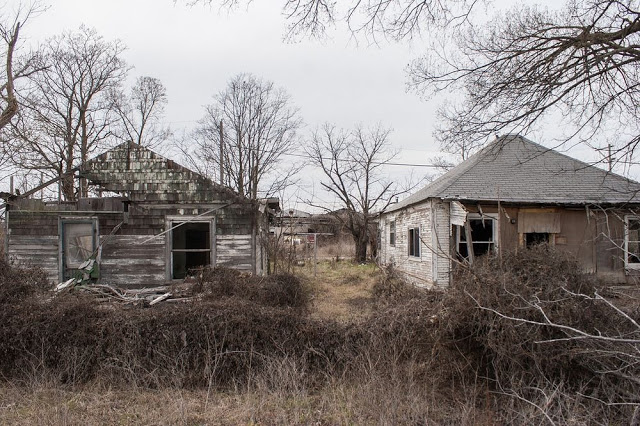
[
  {"x": 392, "y": 233},
  {"x": 482, "y": 237},
  {"x": 533, "y": 238},
  {"x": 414, "y": 242},
  {"x": 633, "y": 241},
  {"x": 191, "y": 248}
]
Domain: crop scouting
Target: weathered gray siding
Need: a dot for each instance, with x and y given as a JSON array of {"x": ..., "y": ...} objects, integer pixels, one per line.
[
  {"x": 132, "y": 260},
  {"x": 441, "y": 242},
  {"x": 418, "y": 270},
  {"x": 234, "y": 251},
  {"x": 35, "y": 250}
]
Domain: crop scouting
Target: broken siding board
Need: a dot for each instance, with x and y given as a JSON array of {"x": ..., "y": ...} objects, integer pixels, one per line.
[{"x": 234, "y": 251}]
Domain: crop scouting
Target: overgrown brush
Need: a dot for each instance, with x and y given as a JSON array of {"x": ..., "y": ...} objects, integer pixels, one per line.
[
  {"x": 19, "y": 284},
  {"x": 278, "y": 290},
  {"x": 535, "y": 326},
  {"x": 525, "y": 338}
]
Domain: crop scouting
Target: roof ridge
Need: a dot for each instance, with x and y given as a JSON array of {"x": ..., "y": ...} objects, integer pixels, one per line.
[{"x": 528, "y": 171}]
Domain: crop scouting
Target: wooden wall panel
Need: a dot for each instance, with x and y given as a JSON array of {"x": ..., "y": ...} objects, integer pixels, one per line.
[
  {"x": 129, "y": 261},
  {"x": 41, "y": 251},
  {"x": 234, "y": 251}
]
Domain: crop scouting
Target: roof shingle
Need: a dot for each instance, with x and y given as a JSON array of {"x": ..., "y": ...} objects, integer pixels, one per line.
[{"x": 515, "y": 169}]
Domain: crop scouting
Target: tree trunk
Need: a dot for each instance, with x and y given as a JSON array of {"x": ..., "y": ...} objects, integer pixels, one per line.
[{"x": 362, "y": 241}]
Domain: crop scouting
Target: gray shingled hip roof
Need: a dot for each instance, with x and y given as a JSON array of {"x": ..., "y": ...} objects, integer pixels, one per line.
[{"x": 514, "y": 169}]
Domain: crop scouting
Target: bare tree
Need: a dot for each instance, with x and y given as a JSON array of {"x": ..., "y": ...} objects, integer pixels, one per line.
[
  {"x": 65, "y": 112},
  {"x": 581, "y": 62},
  {"x": 10, "y": 26},
  {"x": 141, "y": 112},
  {"x": 352, "y": 164},
  {"x": 397, "y": 19},
  {"x": 259, "y": 126}
]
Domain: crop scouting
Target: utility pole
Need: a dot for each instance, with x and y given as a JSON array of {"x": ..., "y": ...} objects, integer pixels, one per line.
[
  {"x": 610, "y": 158},
  {"x": 221, "y": 154}
]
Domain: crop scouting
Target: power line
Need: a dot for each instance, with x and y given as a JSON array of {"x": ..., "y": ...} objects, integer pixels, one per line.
[
  {"x": 309, "y": 157},
  {"x": 386, "y": 163}
]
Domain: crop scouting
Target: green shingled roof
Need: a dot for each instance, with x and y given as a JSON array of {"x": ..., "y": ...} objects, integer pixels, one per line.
[{"x": 517, "y": 170}]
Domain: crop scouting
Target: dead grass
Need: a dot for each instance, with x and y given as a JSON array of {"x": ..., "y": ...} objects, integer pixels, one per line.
[
  {"x": 342, "y": 290},
  {"x": 400, "y": 402},
  {"x": 368, "y": 350}
]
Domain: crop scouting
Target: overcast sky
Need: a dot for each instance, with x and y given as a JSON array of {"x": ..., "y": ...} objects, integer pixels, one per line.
[{"x": 194, "y": 51}]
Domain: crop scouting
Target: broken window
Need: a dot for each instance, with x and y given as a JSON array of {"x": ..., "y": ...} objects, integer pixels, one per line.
[
  {"x": 482, "y": 236},
  {"x": 414, "y": 242},
  {"x": 632, "y": 242},
  {"x": 78, "y": 244},
  {"x": 190, "y": 247},
  {"x": 392, "y": 233},
  {"x": 533, "y": 238}
]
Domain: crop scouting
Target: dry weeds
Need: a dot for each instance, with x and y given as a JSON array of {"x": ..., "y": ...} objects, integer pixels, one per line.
[
  {"x": 367, "y": 351},
  {"x": 342, "y": 290}
]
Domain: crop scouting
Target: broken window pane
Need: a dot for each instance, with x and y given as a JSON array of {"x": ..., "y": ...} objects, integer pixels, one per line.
[
  {"x": 78, "y": 243},
  {"x": 482, "y": 236},
  {"x": 533, "y": 238}
]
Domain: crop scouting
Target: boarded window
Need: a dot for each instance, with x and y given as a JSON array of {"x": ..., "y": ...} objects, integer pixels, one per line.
[
  {"x": 392, "y": 233},
  {"x": 632, "y": 242},
  {"x": 414, "y": 242},
  {"x": 191, "y": 247},
  {"x": 78, "y": 244},
  {"x": 482, "y": 237}
]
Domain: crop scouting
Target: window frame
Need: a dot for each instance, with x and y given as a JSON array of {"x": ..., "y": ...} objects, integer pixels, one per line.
[
  {"x": 627, "y": 264},
  {"x": 171, "y": 222},
  {"x": 495, "y": 231},
  {"x": 62, "y": 240},
  {"x": 392, "y": 232},
  {"x": 413, "y": 242}
]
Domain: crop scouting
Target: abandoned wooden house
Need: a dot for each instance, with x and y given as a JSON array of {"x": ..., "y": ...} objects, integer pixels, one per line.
[
  {"x": 510, "y": 195},
  {"x": 159, "y": 221}
]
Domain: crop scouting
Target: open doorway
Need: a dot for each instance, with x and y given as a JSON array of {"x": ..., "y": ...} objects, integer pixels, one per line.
[{"x": 191, "y": 244}]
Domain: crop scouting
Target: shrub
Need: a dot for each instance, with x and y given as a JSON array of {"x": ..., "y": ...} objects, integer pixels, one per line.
[
  {"x": 518, "y": 320},
  {"x": 279, "y": 290}
]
